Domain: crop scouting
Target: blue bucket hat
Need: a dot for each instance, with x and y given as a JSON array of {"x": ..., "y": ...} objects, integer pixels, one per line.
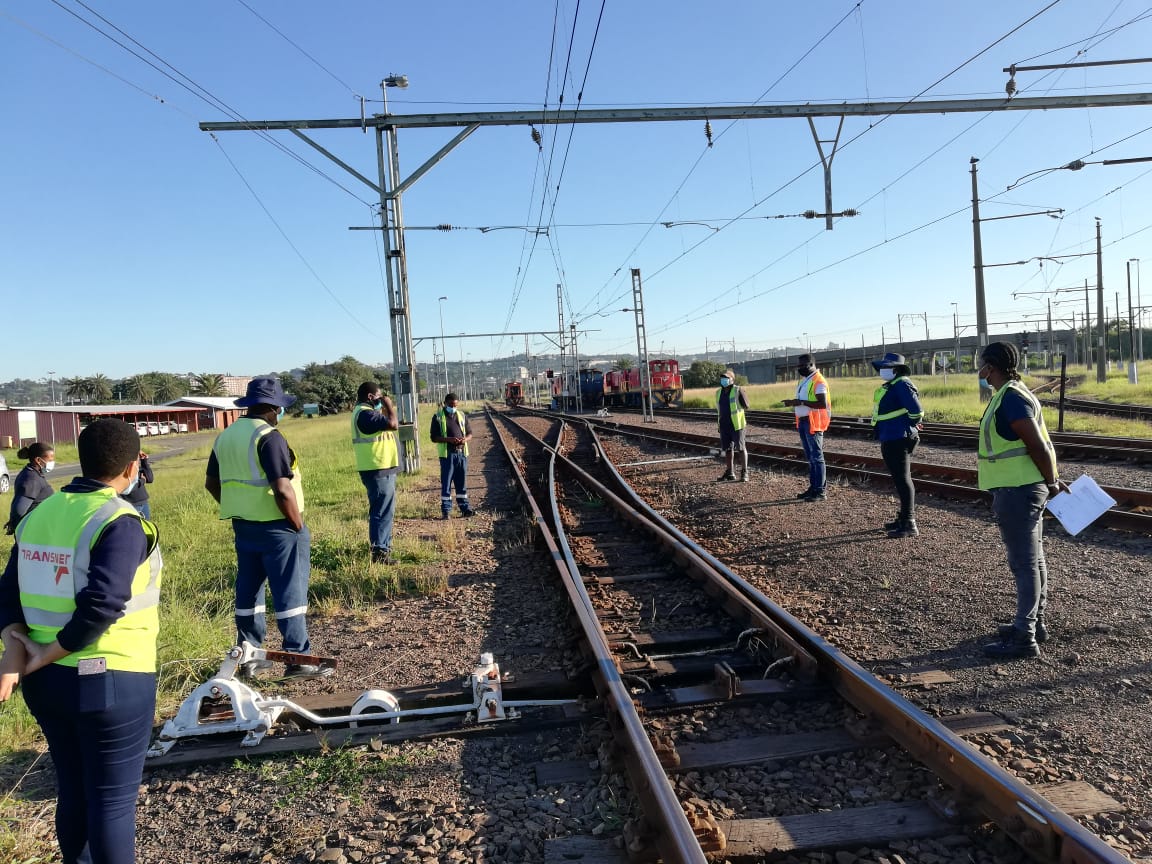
[
  {"x": 265, "y": 390},
  {"x": 889, "y": 361}
]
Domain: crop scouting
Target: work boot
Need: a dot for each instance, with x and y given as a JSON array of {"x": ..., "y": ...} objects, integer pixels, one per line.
[
  {"x": 1016, "y": 647},
  {"x": 1009, "y": 631},
  {"x": 381, "y": 556},
  {"x": 816, "y": 495},
  {"x": 805, "y": 495},
  {"x": 894, "y": 524},
  {"x": 727, "y": 475},
  {"x": 253, "y": 668},
  {"x": 745, "y": 477},
  {"x": 904, "y": 528},
  {"x": 445, "y": 515},
  {"x": 307, "y": 670}
]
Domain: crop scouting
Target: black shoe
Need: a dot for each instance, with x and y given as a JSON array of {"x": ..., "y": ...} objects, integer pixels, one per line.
[
  {"x": 906, "y": 528},
  {"x": 381, "y": 556},
  {"x": 816, "y": 495},
  {"x": 1012, "y": 649},
  {"x": 805, "y": 495},
  {"x": 467, "y": 514},
  {"x": 1009, "y": 631},
  {"x": 253, "y": 668},
  {"x": 445, "y": 515},
  {"x": 894, "y": 524},
  {"x": 727, "y": 475},
  {"x": 745, "y": 477},
  {"x": 308, "y": 670}
]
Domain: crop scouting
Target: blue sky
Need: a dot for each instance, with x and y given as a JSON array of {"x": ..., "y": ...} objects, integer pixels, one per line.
[{"x": 130, "y": 240}]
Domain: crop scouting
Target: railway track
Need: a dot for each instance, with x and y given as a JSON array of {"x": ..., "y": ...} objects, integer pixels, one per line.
[
  {"x": 1069, "y": 445},
  {"x": 1113, "y": 409},
  {"x": 1133, "y": 510},
  {"x": 672, "y": 635}
]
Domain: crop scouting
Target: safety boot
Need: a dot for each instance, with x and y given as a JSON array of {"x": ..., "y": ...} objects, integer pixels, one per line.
[
  {"x": 1009, "y": 631},
  {"x": 1016, "y": 647},
  {"x": 904, "y": 528}
]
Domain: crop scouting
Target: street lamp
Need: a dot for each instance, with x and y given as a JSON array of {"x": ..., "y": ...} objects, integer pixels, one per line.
[
  {"x": 52, "y": 386},
  {"x": 463, "y": 377},
  {"x": 400, "y": 81},
  {"x": 443, "y": 345},
  {"x": 1132, "y": 375}
]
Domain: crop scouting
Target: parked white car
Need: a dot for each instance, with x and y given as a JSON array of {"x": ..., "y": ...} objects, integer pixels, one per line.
[
  {"x": 142, "y": 429},
  {"x": 5, "y": 480},
  {"x": 153, "y": 428},
  {"x": 181, "y": 427}
]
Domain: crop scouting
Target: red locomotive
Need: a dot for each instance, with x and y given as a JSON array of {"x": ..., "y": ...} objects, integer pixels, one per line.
[
  {"x": 623, "y": 387},
  {"x": 513, "y": 393}
]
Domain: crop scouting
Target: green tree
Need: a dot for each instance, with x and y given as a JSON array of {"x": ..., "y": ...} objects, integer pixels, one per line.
[
  {"x": 703, "y": 373},
  {"x": 208, "y": 384},
  {"x": 624, "y": 362},
  {"x": 140, "y": 389},
  {"x": 100, "y": 389},
  {"x": 167, "y": 386},
  {"x": 76, "y": 389}
]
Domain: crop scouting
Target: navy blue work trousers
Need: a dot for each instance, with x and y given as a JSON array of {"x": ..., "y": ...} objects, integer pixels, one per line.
[
  {"x": 381, "y": 487},
  {"x": 97, "y": 728},
  {"x": 454, "y": 472},
  {"x": 276, "y": 553}
]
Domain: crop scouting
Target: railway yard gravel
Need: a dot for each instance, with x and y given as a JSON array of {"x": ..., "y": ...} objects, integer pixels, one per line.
[{"x": 1081, "y": 711}]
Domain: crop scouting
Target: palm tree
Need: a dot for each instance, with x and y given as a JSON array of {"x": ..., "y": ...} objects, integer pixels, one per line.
[
  {"x": 208, "y": 384},
  {"x": 77, "y": 389},
  {"x": 140, "y": 389},
  {"x": 168, "y": 387},
  {"x": 100, "y": 388}
]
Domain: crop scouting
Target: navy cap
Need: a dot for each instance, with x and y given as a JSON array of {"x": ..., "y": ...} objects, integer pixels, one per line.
[
  {"x": 265, "y": 390},
  {"x": 888, "y": 361}
]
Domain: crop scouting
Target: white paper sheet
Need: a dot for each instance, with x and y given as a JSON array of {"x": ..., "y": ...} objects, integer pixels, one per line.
[{"x": 1081, "y": 505}]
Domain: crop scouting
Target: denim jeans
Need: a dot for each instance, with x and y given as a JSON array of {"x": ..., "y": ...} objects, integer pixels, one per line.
[
  {"x": 898, "y": 458},
  {"x": 454, "y": 470},
  {"x": 1019, "y": 512},
  {"x": 98, "y": 728},
  {"x": 813, "y": 444},
  {"x": 144, "y": 509},
  {"x": 275, "y": 553},
  {"x": 381, "y": 486}
]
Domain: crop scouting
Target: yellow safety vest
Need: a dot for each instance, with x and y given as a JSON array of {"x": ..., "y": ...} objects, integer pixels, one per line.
[
  {"x": 245, "y": 492},
  {"x": 375, "y": 451},
  {"x": 734, "y": 409},
  {"x": 441, "y": 447},
  {"x": 877, "y": 417},
  {"x": 1001, "y": 463},
  {"x": 55, "y": 542}
]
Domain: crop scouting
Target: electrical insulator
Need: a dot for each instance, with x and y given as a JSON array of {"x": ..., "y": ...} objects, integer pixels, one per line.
[
  {"x": 850, "y": 212},
  {"x": 444, "y": 227},
  {"x": 708, "y": 132},
  {"x": 809, "y": 214},
  {"x": 537, "y": 138},
  {"x": 1010, "y": 87}
]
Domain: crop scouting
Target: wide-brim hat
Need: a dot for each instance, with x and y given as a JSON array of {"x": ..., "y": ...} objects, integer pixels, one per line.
[
  {"x": 889, "y": 361},
  {"x": 265, "y": 390}
]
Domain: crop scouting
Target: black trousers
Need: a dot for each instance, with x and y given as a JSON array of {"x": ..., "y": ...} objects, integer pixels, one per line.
[{"x": 898, "y": 457}]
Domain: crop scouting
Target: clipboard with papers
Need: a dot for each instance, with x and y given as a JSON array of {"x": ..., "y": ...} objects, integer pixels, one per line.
[{"x": 1081, "y": 505}]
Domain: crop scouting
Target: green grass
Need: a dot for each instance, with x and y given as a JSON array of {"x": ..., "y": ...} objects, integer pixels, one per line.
[{"x": 957, "y": 401}]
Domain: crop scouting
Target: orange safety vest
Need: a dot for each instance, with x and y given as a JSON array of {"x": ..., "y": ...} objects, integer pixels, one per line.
[{"x": 818, "y": 418}]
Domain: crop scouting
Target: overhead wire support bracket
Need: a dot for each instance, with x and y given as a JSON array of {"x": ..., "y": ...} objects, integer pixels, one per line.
[{"x": 826, "y": 161}]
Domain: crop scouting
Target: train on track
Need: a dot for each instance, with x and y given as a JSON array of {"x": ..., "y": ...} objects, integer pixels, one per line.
[
  {"x": 591, "y": 389},
  {"x": 513, "y": 394}
]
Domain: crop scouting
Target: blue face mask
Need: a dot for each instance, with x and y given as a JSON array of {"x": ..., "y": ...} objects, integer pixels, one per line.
[
  {"x": 377, "y": 404},
  {"x": 280, "y": 414},
  {"x": 132, "y": 485},
  {"x": 724, "y": 382},
  {"x": 449, "y": 409}
]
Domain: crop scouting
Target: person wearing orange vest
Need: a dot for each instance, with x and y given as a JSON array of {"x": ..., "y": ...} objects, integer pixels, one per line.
[
  {"x": 813, "y": 408},
  {"x": 79, "y": 619}
]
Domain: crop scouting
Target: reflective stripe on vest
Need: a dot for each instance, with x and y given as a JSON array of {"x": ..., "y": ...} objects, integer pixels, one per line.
[
  {"x": 819, "y": 419},
  {"x": 878, "y": 397},
  {"x": 441, "y": 447},
  {"x": 245, "y": 492},
  {"x": 1001, "y": 463},
  {"x": 375, "y": 451},
  {"x": 734, "y": 409},
  {"x": 55, "y": 557}
]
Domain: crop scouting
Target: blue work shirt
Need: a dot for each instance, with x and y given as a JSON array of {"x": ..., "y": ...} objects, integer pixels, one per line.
[{"x": 901, "y": 393}]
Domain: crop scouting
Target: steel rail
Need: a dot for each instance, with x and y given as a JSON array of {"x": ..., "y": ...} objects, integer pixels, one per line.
[
  {"x": 674, "y": 835},
  {"x": 944, "y": 480},
  {"x": 1067, "y": 444},
  {"x": 1043, "y": 830}
]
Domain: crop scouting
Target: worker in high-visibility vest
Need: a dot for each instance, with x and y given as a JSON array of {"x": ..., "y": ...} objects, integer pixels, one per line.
[
  {"x": 377, "y": 458},
  {"x": 449, "y": 432},
  {"x": 79, "y": 618},
  {"x": 1016, "y": 462},
  {"x": 813, "y": 409},
  {"x": 731, "y": 403},
  {"x": 255, "y": 477},
  {"x": 896, "y": 416}
]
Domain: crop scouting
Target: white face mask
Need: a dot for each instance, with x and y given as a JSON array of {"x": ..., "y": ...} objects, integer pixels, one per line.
[
  {"x": 49, "y": 465},
  {"x": 887, "y": 374}
]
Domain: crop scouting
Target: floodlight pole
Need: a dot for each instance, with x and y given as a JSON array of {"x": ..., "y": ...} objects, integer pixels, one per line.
[{"x": 1101, "y": 346}]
